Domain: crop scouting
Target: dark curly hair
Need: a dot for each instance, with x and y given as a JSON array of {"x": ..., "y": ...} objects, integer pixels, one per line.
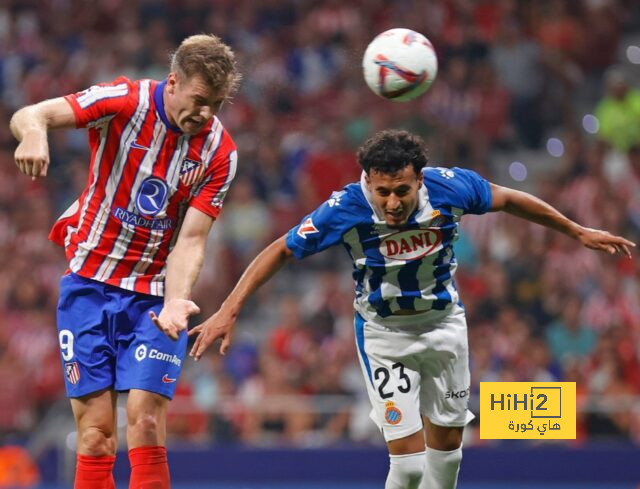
[{"x": 389, "y": 151}]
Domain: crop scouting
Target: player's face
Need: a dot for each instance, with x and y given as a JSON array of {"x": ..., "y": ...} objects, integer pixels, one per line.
[
  {"x": 190, "y": 103},
  {"x": 395, "y": 195}
]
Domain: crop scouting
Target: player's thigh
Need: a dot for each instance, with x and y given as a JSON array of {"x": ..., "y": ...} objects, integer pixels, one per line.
[
  {"x": 393, "y": 381},
  {"x": 95, "y": 409},
  {"x": 444, "y": 393},
  {"x": 146, "y": 358}
]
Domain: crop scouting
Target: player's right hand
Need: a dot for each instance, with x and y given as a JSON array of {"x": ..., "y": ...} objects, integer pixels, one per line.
[
  {"x": 220, "y": 325},
  {"x": 32, "y": 155},
  {"x": 174, "y": 317}
]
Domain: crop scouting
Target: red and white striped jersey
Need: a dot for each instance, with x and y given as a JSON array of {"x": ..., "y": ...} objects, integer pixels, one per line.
[{"x": 144, "y": 173}]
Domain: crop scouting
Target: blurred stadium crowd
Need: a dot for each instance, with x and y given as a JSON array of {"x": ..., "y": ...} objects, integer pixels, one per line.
[{"x": 550, "y": 82}]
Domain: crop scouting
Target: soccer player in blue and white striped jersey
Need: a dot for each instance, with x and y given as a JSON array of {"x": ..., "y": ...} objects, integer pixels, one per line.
[{"x": 398, "y": 225}]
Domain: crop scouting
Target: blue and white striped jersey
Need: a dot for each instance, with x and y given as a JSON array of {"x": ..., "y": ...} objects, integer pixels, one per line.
[{"x": 407, "y": 269}]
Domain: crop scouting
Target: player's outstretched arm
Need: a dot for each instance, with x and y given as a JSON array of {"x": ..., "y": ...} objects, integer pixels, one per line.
[
  {"x": 29, "y": 126},
  {"x": 221, "y": 324},
  {"x": 183, "y": 267},
  {"x": 529, "y": 207}
]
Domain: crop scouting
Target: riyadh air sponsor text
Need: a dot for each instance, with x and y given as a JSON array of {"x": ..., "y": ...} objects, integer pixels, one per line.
[{"x": 141, "y": 221}]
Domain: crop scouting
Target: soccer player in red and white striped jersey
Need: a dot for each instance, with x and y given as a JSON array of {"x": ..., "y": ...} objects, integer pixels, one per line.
[{"x": 161, "y": 165}]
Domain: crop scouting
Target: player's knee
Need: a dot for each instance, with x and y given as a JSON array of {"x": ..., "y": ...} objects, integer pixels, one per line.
[
  {"x": 144, "y": 425},
  {"x": 96, "y": 441},
  {"x": 443, "y": 438},
  {"x": 449, "y": 446},
  {"x": 412, "y": 473},
  {"x": 446, "y": 443},
  {"x": 406, "y": 471}
]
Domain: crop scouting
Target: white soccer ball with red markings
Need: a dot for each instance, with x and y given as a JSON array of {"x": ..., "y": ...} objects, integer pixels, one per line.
[{"x": 400, "y": 64}]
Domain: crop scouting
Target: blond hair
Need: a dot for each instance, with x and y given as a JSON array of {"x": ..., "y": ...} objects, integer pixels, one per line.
[{"x": 207, "y": 56}]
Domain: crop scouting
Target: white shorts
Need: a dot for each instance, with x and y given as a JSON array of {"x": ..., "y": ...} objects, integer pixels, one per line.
[{"x": 414, "y": 369}]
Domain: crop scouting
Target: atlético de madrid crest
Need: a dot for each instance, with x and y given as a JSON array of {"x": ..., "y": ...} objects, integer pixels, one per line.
[
  {"x": 72, "y": 372},
  {"x": 191, "y": 171}
]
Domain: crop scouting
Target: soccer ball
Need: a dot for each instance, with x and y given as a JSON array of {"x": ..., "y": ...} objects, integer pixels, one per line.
[{"x": 399, "y": 64}]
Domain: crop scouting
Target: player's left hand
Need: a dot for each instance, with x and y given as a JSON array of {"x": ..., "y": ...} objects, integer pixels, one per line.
[
  {"x": 174, "y": 316},
  {"x": 596, "y": 239}
]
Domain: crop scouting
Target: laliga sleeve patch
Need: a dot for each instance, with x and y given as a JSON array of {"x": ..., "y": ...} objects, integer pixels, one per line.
[
  {"x": 307, "y": 227},
  {"x": 392, "y": 414}
]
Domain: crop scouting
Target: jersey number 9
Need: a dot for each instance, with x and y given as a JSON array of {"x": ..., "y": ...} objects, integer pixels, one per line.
[{"x": 65, "y": 338}]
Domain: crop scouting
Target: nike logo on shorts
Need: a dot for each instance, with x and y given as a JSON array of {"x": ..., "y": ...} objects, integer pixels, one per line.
[{"x": 167, "y": 380}]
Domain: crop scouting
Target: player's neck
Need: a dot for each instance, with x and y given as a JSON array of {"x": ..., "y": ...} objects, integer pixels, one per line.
[{"x": 167, "y": 107}]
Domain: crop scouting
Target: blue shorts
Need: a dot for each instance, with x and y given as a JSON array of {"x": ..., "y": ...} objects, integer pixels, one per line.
[{"x": 107, "y": 340}]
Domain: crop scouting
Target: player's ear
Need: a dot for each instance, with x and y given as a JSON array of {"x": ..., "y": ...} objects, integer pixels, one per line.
[
  {"x": 172, "y": 81},
  {"x": 367, "y": 180},
  {"x": 420, "y": 177}
]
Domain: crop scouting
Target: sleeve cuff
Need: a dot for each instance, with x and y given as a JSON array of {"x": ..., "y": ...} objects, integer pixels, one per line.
[{"x": 207, "y": 209}]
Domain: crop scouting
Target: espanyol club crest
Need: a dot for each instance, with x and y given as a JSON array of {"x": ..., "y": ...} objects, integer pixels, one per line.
[
  {"x": 412, "y": 244},
  {"x": 191, "y": 171},
  {"x": 392, "y": 414},
  {"x": 152, "y": 196}
]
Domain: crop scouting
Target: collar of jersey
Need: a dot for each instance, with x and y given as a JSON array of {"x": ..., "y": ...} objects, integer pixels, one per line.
[
  {"x": 159, "y": 101},
  {"x": 423, "y": 199}
]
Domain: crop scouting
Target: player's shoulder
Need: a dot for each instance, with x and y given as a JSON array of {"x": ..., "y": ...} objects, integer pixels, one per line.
[
  {"x": 108, "y": 89},
  {"x": 350, "y": 194},
  {"x": 448, "y": 176},
  {"x": 441, "y": 173},
  {"x": 448, "y": 183},
  {"x": 344, "y": 206},
  {"x": 217, "y": 126},
  {"x": 351, "y": 199},
  {"x": 440, "y": 178},
  {"x": 121, "y": 82},
  {"x": 139, "y": 85},
  {"x": 328, "y": 223},
  {"x": 218, "y": 135},
  {"x": 128, "y": 81}
]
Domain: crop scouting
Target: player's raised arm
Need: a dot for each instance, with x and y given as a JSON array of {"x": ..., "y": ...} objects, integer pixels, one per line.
[
  {"x": 221, "y": 324},
  {"x": 29, "y": 126},
  {"x": 533, "y": 209}
]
